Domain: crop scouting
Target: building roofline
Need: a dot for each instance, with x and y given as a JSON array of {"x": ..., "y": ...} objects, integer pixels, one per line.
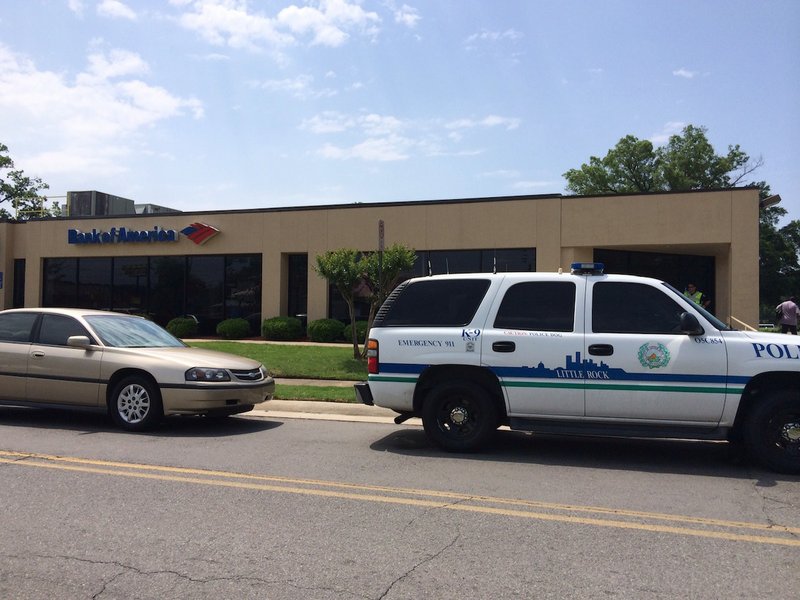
[{"x": 355, "y": 205}]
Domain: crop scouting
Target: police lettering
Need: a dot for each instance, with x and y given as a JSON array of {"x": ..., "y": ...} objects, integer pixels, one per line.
[{"x": 787, "y": 351}]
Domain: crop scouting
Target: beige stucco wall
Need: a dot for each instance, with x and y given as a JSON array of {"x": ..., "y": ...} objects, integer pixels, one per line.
[{"x": 722, "y": 224}]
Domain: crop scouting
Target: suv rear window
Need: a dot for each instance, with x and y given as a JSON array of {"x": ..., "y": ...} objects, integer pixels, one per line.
[{"x": 440, "y": 303}]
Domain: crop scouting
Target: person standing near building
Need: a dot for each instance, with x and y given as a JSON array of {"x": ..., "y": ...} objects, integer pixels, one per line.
[
  {"x": 696, "y": 295},
  {"x": 787, "y": 313}
]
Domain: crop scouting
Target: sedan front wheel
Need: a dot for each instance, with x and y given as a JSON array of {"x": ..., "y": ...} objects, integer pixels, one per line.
[{"x": 135, "y": 404}]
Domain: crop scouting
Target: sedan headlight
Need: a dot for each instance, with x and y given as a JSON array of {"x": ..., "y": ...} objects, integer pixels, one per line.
[{"x": 202, "y": 374}]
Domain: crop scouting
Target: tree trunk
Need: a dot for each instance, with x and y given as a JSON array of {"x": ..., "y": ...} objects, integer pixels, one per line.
[{"x": 352, "y": 310}]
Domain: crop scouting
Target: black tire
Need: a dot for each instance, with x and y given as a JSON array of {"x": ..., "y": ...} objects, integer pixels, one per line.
[
  {"x": 772, "y": 431},
  {"x": 135, "y": 404},
  {"x": 459, "y": 416}
]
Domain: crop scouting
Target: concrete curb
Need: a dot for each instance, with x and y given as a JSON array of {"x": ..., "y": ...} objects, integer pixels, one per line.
[{"x": 327, "y": 411}]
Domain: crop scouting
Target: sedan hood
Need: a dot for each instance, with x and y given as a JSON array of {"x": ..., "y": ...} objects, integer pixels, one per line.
[{"x": 191, "y": 357}]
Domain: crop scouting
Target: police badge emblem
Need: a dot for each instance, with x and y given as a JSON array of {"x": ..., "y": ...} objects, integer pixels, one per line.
[{"x": 653, "y": 355}]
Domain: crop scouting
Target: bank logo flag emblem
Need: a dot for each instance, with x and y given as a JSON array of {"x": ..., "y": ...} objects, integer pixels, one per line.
[{"x": 200, "y": 233}]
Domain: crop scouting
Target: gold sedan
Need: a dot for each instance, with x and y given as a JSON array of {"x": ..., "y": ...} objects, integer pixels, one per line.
[{"x": 124, "y": 364}]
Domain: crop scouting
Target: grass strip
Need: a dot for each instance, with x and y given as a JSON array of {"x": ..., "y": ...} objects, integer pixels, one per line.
[
  {"x": 297, "y": 361},
  {"x": 321, "y": 393}
]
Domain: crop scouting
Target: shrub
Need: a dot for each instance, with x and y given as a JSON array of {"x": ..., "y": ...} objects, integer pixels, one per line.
[
  {"x": 182, "y": 327},
  {"x": 325, "y": 330},
  {"x": 233, "y": 329},
  {"x": 361, "y": 331},
  {"x": 282, "y": 328}
]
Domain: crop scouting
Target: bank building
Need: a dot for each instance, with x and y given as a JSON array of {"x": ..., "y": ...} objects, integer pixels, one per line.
[{"x": 109, "y": 253}]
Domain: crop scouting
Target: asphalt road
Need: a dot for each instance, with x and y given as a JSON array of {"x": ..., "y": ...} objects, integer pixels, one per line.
[{"x": 272, "y": 506}]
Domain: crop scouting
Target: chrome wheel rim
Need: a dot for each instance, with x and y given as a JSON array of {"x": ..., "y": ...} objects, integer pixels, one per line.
[{"x": 133, "y": 403}]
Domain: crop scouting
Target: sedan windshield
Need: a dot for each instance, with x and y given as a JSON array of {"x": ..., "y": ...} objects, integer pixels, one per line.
[{"x": 122, "y": 331}]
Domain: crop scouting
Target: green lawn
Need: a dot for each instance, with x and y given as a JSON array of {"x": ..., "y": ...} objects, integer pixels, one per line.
[
  {"x": 322, "y": 393},
  {"x": 297, "y": 361}
]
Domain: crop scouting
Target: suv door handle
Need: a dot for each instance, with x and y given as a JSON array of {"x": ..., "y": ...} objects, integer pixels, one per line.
[
  {"x": 601, "y": 349},
  {"x": 504, "y": 346}
]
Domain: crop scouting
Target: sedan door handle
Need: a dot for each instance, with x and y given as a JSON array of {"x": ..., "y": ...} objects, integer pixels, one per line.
[
  {"x": 601, "y": 349},
  {"x": 37, "y": 354},
  {"x": 504, "y": 346}
]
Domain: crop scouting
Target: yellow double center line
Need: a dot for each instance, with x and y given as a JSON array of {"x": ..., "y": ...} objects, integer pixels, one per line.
[{"x": 524, "y": 509}]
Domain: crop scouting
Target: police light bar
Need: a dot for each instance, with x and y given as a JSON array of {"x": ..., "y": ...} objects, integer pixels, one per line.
[{"x": 587, "y": 268}]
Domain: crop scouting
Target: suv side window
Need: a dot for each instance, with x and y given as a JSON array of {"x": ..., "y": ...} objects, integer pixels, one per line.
[
  {"x": 538, "y": 306},
  {"x": 437, "y": 303},
  {"x": 56, "y": 329},
  {"x": 16, "y": 327},
  {"x": 626, "y": 307}
]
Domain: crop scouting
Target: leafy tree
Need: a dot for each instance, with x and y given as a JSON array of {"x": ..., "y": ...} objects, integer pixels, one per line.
[
  {"x": 21, "y": 192},
  {"x": 345, "y": 269},
  {"x": 779, "y": 271},
  {"x": 686, "y": 162},
  {"x": 383, "y": 272},
  {"x": 364, "y": 275}
]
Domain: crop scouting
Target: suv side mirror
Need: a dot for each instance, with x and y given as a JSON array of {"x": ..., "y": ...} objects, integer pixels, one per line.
[{"x": 690, "y": 325}]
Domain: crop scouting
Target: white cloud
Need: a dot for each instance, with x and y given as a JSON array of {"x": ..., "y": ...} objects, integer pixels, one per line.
[
  {"x": 115, "y": 10},
  {"x": 685, "y": 73},
  {"x": 380, "y": 125},
  {"x": 77, "y": 6},
  {"x": 328, "y": 23},
  {"x": 390, "y": 148},
  {"x": 389, "y": 138},
  {"x": 89, "y": 124},
  {"x": 299, "y": 87},
  {"x": 669, "y": 129},
  {"x": 228, "y": 22},
  {"x": 406, "y": 15},
  {"x": 490, "y": 121},
  {"x": 335, "y": 122},
  {"x": 233, "y": 23},
  {"x": 116, "y": 63},
  {"x": 511, "y": 35}
]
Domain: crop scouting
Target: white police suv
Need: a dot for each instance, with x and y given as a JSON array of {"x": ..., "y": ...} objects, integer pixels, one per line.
[{"x": 579, "y": 353}]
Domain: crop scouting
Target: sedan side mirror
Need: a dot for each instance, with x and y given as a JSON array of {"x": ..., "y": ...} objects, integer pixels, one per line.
[
  {"x": 690, "y": 325},
  {"x": 79, "y": 341}
]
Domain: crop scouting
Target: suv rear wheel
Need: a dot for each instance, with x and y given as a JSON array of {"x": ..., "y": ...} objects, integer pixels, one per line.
[{"x": 459, "y": 416}]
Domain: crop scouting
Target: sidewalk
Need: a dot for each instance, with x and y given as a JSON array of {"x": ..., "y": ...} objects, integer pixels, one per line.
[{"x": 328, "y": 411}]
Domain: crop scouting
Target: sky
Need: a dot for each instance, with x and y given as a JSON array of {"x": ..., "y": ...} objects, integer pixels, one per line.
[{"x": 240, "y": 104}]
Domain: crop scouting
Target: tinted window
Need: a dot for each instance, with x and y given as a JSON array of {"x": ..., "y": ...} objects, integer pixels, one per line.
[
  {"x": 16, "y": 327},
  {"x": 445, "y": 303},
  {"x": 619, "y": 307},
  {"x": 60, "y": 282},
  {"x": 56, "y": 329},
  {"x": 538, "y": 306}
]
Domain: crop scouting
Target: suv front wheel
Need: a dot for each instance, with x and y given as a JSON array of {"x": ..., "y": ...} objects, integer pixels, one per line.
[
  {"x": 772, "y": 431},
  {"x": 459, "y": 416}
]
